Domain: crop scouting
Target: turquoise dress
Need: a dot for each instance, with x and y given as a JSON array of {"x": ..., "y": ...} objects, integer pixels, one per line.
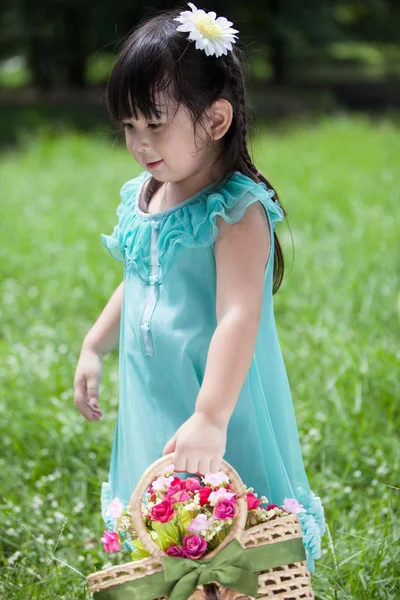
[{"x": 167, "y": 321}]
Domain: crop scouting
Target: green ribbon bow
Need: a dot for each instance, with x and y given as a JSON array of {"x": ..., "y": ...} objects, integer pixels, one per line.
[
  {"x": 230, "y": 567},
  {"x": 234, "y": 567}
]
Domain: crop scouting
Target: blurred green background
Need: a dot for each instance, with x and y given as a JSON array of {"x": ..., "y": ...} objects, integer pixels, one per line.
[{"x": 325, "y": 89}]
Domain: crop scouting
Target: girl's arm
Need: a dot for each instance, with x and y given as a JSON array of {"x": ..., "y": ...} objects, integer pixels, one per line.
[
  {"x": 102, "y": 338},
  {"x": 241, "y": 253},
  {"x": 104, "y": 335}
]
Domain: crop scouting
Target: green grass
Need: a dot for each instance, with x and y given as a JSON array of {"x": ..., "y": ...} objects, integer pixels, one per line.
[{"x": 337, "y": 320}]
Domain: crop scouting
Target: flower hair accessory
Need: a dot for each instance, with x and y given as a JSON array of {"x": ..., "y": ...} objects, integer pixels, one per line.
[{"x": 211, "y": 34}]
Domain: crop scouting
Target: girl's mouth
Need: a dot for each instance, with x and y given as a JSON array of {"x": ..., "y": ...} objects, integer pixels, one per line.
[{"x": 154, "y": 165}]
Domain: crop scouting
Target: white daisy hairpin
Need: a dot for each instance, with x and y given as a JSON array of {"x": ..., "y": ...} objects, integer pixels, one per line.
[{"x": 211, "y": 34}]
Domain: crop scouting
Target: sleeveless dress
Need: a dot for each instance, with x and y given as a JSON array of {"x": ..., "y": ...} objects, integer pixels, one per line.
[{"x": 168, "y": 318}]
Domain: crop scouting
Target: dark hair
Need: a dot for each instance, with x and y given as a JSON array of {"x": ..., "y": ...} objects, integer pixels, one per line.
[{"x": 158, "y": 58}]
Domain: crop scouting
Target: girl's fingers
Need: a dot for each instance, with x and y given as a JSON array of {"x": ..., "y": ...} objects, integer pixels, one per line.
[
  {"x": 204, "y": 467},
  {"x": 94, "y": 407},
  {"x": 192, "y": 465},
  {"x": 93, "y": 391},
  {"x": 215, "y": 466},
  {"x": 180, "y": 463},
  {"x": 81, "y": 402}
]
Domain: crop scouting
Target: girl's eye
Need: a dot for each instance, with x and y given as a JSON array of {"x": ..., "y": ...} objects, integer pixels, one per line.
[{"x": 150, "y": 125}]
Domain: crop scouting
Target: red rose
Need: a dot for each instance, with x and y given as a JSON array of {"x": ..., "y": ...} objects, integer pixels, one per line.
[
  {"x": 272, "y": 506},
  {"x": 204, "y": 494},
  {"x": 252, "y": 502},
  {"x": 162, "y": 512}
]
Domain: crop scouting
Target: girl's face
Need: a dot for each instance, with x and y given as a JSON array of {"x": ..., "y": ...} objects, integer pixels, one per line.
[{"x": 168, "y": 147}]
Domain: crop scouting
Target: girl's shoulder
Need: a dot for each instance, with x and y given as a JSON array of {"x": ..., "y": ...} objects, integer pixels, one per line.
[{"x": 231, "y": 200}]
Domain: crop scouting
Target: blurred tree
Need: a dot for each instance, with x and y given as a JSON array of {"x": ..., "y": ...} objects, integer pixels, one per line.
[{"x": 57, "y": 36}]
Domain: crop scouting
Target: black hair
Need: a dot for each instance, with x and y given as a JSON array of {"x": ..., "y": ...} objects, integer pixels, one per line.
[{"x": 158, "y": 58}]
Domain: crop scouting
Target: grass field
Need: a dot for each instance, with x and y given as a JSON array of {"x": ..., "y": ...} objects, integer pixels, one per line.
[{"x": 337, "y": 319}]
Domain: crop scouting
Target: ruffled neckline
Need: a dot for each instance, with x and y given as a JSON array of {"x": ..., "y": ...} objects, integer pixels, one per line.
[
  {"x": 192, "y": 223},
  {"x": 165, "y": 213}
]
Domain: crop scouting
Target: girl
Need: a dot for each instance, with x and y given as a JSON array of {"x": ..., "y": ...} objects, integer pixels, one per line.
[{"x": 201, "y": 370}]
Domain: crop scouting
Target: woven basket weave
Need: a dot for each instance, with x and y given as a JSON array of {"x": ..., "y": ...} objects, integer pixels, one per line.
[{"x": 286, "y": 582}]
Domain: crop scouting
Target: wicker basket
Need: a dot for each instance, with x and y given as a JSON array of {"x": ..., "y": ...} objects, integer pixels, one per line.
[{"x": 286, "y": 582}]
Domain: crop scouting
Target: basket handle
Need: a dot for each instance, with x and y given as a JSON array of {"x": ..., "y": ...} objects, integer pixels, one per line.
[{"x": 137, "y": 497}]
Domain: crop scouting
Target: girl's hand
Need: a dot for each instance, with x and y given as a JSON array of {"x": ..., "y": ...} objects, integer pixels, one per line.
[
  {"x": 199, "y": 445},
  {"x": 87, "y": 379}
]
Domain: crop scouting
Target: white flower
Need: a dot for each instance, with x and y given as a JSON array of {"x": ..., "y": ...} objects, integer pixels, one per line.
[
  {"x": 162, "y": 483},
  {"x": 214, "y": 36},
  {"x": 221, "y": 493},
  {"x": 216, "y": 478}
]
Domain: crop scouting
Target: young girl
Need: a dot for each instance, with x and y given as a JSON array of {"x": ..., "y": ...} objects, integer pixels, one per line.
[{"x": 201, "y": 370}]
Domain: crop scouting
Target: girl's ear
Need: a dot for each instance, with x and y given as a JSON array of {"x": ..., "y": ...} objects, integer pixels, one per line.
[{"x": 221, "y": 115}]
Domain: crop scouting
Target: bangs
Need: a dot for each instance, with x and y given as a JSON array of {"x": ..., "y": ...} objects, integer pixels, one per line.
[{"x": 144, "y": 69}]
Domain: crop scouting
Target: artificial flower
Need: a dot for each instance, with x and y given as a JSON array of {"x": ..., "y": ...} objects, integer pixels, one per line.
[
  {"x": 211, "y": 34},
  {"x": 194, "y": 546},
  {"x": 111, "y": 542},
  {"x": 163, "y": 511},
  {"x": 221, "y": 493},
  {"x": 204, "y": 494},
  {"x": 225, "y": 508},
  {"x": 291, "y": 505},
  {"x": 175, "y": 551},
  {"x": 216, "y": 478},
  {"x": 115, "y": 508},
  {"x": 192, "y": 484},
  {"x": 252, "y": 502},
  {"x": 162, "y": 483},
  {"x": 176, "y": 494},
  {"x": 200, "y": 523}
]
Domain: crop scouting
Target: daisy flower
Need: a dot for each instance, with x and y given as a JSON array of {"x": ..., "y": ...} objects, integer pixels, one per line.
[{"x": 211, "y": 34}]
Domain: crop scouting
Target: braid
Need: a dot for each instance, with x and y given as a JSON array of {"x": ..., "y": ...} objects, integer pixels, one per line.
[{"x": 238, "y": 81}]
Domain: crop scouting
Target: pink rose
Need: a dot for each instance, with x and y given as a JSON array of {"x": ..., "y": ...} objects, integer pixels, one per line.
[
  {"x": 192, "y": 484},
  {"x": 226, "y": 508},
  {"x": 163, "y": 511},
  {"x": 115, "y": 508},
  {"x": 177, "y": 495},
  {"x": 111, "y": 542},
  {"x": 175, "y": 551},
  {"x": 204, "y": 495},
  {"x": 180, "y": 483},
  {"x": 194, "y": 546},
  {"x": 200, "y": 523},
  {"x": 252, "y": 502},
  {"x": 291, "y": 505}
]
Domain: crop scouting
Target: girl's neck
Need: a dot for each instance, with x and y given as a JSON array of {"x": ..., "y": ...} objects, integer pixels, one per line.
[{"x": 179, "y": 191}]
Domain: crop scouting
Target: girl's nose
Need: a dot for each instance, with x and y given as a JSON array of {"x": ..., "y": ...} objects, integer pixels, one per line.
[{"x": 139, "y": 144}]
